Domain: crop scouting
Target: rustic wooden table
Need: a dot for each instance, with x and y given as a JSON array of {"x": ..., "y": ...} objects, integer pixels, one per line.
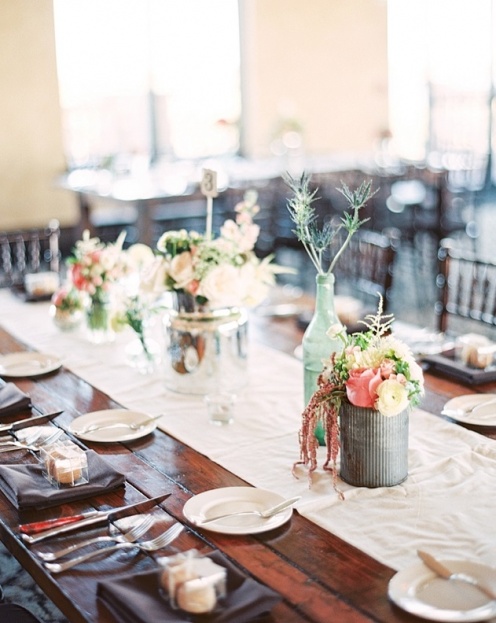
[{"x": 320, "y": 577}]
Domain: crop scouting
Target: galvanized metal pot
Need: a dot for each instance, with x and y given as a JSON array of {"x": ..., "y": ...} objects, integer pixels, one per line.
[{"x": 374, "y": 447}]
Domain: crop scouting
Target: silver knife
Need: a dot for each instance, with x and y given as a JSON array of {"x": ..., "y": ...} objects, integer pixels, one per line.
[
  {"x": 40, "y": 530},
  {"x": 30, "y": 421},
  {"x": 442, "y": 571}
]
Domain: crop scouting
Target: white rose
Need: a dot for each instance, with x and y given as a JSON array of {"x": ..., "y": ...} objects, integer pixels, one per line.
[
  {"x": 416, "y": 372},
  {"x": 222, "y": 286},
  {"x": 153, "y": 277},
  {"x": 335, "y": 330},
  {"x": 181, "y": 269},
  {"x": 393, "y": 397},
  {"x": 253, "y": 284}
]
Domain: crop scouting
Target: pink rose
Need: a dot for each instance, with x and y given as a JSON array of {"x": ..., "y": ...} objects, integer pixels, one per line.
[
  {"x": 361, "y": 387},
  {"x": 387, "y": 368}
]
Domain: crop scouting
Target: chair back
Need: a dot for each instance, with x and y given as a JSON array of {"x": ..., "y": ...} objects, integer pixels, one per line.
[
  {"x": 28, "y": 251},
  {"x": 467, "y": 287},
  {"x": 366, "y": 267}
]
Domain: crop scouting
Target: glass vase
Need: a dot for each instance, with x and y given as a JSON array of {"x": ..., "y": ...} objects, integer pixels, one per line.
[
  {"x": 98, "y": 320},
  {"x": 317, "y": 345},
  {"x": 373, "y": 447},
  {"x": 205, "y": 350},
  {"x": 66, "y": 319}
]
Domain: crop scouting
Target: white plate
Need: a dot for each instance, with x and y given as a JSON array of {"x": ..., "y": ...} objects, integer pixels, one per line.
[
  {"x": 116, "y": 432},
  {"x": 469, "y": 410},
  {"x": 420, "y": 591},
  {"x": 28, "y": 364},
  {"x": 233, "y": 499}
]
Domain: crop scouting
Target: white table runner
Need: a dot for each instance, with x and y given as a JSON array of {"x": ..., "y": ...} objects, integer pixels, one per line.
[{"x": 447, "y": 505}]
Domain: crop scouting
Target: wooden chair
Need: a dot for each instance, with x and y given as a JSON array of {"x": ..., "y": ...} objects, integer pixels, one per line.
[
  {"x": 467, "y": 287},
  {"x": 366, "y": 267},
  {"x": 27, "y": 251}
]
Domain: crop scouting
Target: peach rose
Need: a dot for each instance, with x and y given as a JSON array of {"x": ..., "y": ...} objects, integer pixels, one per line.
[{"x": 361, "y": 387}]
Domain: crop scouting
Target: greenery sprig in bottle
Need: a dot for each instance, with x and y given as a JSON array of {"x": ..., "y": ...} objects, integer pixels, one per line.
[{"x": 318, "y": 239}]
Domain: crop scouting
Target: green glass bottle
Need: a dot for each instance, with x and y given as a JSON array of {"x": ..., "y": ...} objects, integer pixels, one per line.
[{"x": 317, "y": 345}]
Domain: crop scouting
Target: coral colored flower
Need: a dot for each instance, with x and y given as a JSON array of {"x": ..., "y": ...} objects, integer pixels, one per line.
[{"x": 361, "y": 387}]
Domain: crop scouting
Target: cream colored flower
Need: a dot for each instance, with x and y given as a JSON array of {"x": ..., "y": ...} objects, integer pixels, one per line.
[
  {"x": 153, "y": 277},
  {"x": 222, "y": 286},
  {"x": 335, "y": 330},
  {"x": 392, "y": 398},
  {"x": 181, "y": 269}
]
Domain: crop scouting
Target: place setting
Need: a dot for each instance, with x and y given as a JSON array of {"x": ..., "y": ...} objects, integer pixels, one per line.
[
  {"x": 473, "y": 409},
  {"x": 446, "y": 590},
  {"x": 113, "y": 425},
  {"x": 28, "y": 364},
  {"x": 239, "y": 510}
]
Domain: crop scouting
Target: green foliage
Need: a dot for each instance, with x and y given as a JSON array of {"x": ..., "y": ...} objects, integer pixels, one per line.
[{"x": 316, "y": 238}]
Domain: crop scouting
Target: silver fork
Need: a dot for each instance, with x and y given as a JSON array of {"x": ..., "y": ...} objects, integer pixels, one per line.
[
  {"x": 30, "y": 443},
  {"x": 147, "y": 546},
  {"x": 130, "y": 536},
  {"x": 131, "y": 425}
]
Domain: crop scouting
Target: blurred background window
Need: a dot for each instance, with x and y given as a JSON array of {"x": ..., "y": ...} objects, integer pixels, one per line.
[
  {"x": 147, "y": 79},
  {"x": 442, "y": 73}
]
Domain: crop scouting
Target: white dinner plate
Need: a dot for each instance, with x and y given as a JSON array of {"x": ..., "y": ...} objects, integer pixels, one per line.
[
  {"x": 28, "y": 364},
  {"x": 420, "y": 591},
  {"x": 118, "y": 431},
  {"x": 471, "y": 409},
  {"x": 231, "y": 500}
]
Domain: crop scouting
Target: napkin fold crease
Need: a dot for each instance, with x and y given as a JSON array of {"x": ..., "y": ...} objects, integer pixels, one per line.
[{"x": 12, "y": 400}]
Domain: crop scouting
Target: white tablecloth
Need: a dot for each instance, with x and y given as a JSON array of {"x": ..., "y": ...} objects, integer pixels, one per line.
[{"x": 447, "y": 505}]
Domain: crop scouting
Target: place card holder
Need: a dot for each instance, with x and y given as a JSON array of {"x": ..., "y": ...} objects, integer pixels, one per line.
[{"x": 64, "y": 464}]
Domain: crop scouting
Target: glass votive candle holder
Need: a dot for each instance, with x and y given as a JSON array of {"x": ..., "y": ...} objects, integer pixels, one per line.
[{"x": 220, "y": 408}]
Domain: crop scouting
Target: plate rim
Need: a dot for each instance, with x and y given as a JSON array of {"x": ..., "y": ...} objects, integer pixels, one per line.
[
  {"x": 467, "y": 419},
  {"x": 56, "y": 363},
  {"x": 131, "y": 436},
  {"x": 274, "y": 522},
  {"x": 405, "y": 601}
]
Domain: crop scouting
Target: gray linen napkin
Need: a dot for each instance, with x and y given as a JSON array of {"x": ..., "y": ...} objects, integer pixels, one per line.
[
  {"x": 137, "y": 598},
  {"x": 12, "y": 400},
  {"x": 26, "y": 487}
]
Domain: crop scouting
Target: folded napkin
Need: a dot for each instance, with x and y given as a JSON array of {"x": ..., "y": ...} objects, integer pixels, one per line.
[
  {"x": 12, "y": 399},
  {"x": 138, "y": 598},
  {"x": 26, "y": 487}
]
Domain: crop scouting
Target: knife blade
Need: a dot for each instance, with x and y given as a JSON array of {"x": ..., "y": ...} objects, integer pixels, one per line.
[
  {"x": 40, "y": 530},
  {"x": 442, "y": 571},
  {"x": 30, "y": 421}
]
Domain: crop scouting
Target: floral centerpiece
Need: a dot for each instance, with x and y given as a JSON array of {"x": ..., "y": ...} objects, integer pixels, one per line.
[
  {"x": 324, "y": 244},
  {"x": 216, "y": 272},
  {"x": 94, "y": 269},
  {"x": 67, "y": 307},
  {"x": 374, "y": 370},
  {"x": 209, "y": 281}
]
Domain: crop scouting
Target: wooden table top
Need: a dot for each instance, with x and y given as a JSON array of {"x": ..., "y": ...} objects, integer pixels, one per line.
[{"x": 320, "y": 577}]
